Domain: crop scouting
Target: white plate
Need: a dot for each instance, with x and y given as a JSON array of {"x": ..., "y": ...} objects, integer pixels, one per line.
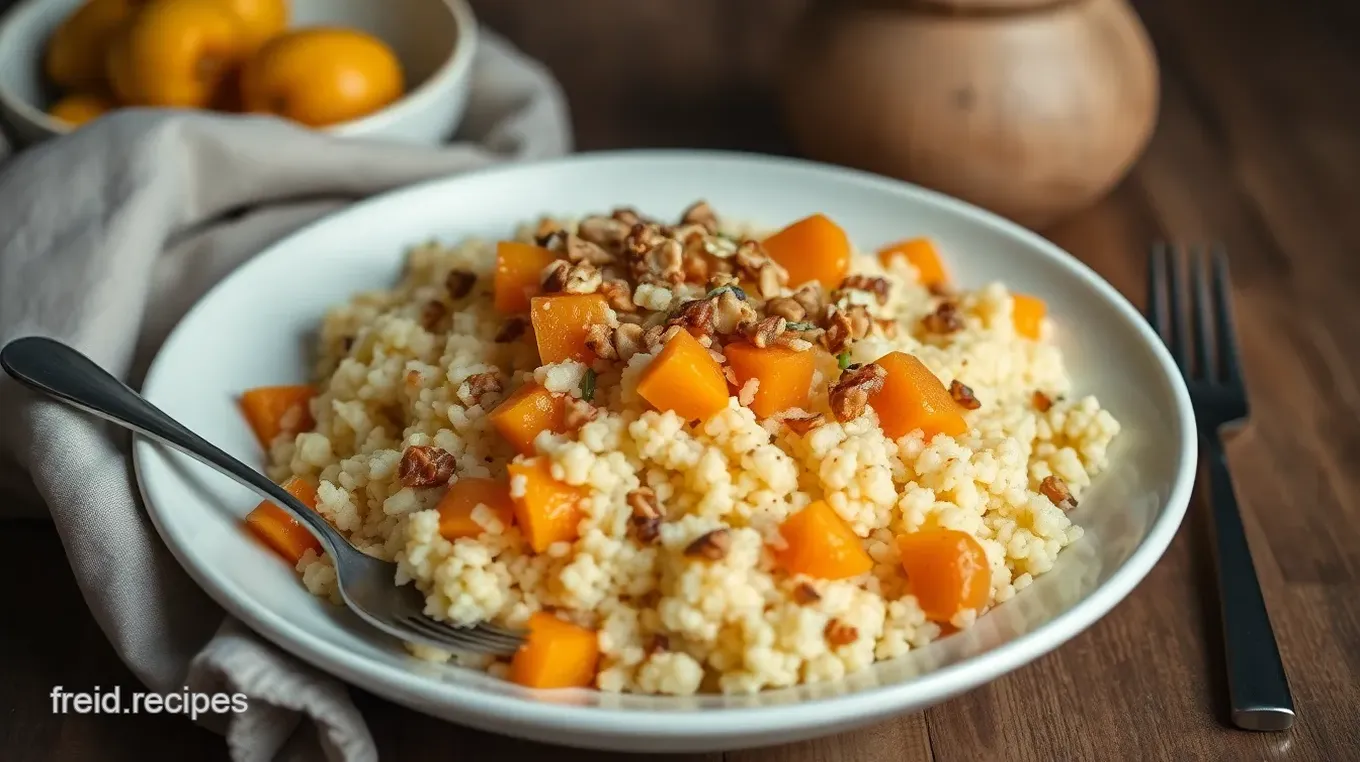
[{"x": 253, "y": 329}]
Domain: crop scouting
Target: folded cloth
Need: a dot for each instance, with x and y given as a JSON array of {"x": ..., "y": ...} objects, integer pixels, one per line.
[{"x": 107, "y": 236}]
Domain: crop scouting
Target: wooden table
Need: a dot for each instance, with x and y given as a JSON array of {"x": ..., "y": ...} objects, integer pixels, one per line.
[{"x": 1258, "y": 146}]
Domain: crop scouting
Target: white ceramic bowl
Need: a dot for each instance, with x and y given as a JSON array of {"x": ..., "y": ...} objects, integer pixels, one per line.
[
  {"x": 434, "y": 39},
  {"x": 253, "y": 329}
]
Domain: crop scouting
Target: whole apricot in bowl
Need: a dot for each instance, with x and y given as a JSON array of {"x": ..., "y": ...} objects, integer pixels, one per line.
[
  {"x": 321, "y": 76},
  {"x": 74, "y": 57},
  {"x": 260, "y": 19},
  {"x": 178, "y": 53}
]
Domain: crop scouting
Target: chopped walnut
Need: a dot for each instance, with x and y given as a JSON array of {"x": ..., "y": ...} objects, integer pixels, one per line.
[
  {"x": 712, "y": 546},
  {"x": 628, "y": 215},
  {"x": 477, "y": 386},
  {"x": 764, "y": 332},
  {"x": 658, "y": 336},
  {"x": 787, "y": 308},
  {"x": 460, "y": 283},
  {"x": 839, "y": 633},
  {"x": 849, "y": 396},
  {"x": 627, "y": 341},
  {"x": 548, "y": 229},
  {"x": 873, "y": 284},
  {"x": 1042, "y": 402},
  {"x": 729, "y": 374},
  {"x": 694, "y": 264},
  {"x": 805, "y": 594},
  {"x": 940, "y": 290},
  {"x": 432, "y": 314},
  {"x": 618, "y": 294},
  {"x": 579, "y": 249},
  {"x": 963, "y": 394},
  {"x": 722, "y": 280},
  {"x": 887, "y": 327},
  {"x": 695, "y": 316},
  {"x": 600, "y": 340},
  {"x": 577, "y": 413},
  {"x": 845, "y": 326},
  {"x": 809, "y": 297},
  {"x": 425, "y": 466},
  {"x": 802, "y": 424},
  {"x": 756, "y": 265},
  {"x": 647, "y": 513},
  {"x": 1056, "y": 491},
  {"x": 579, "y": 278},
  {"x": 413, "y": 379},
  {"x": 700, "y": 213},
  {"x": 945, "y": 319},
  {"x": 770, "y": 280},
  {"x": 513, "y": 328},
  {"x": 606, "y": 232},
  {"x": 731, "y": 314}
]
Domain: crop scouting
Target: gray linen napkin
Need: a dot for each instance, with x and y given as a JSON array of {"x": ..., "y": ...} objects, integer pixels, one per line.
[{"x": 106, "y": 237}]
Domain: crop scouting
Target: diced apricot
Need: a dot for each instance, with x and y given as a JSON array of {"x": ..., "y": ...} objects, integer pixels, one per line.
[
  {"x": 457, "y": 505},
  {"x": 546, "y": 509},
  {"x": 685, "y": 378},
  {"x": 556, "y": 654},
  {"x": 273, "y": 410},
  {"x": 921, "y": 254},
  {"x": 813, "y": 248},
  {"x": 913, "y": 398},
  {"x": 1028, "y": 314},
  {"x": 519, "y": 267},
  {"x": 820, "y": 544},
  {"x": 783, "y": 376},
  {"x": 279, "y": 529},
  {"x": 522, "y": 415},
  {"x": 561, "y": 322},
  {"x": 947, "y": 571}
]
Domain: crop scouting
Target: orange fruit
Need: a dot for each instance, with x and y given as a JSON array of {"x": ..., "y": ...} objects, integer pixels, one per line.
[
  {"x": 321, "y": 76},
  {"x": 74, "y": 58},
  {"x": 180, "y": 53}
]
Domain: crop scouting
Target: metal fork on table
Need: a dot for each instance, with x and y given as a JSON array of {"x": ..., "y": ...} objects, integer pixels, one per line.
[
  {"x": 1196, "y": 324},
  {"x": 368, "y": 585}
]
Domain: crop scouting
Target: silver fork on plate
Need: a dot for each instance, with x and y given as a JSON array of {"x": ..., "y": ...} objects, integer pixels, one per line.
[
  {"x": 1197, "y": 325},
  {"x": 367, "y": 584}
]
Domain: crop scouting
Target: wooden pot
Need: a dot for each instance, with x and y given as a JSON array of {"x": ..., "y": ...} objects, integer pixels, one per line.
[{"x": 1030, "y": 108}]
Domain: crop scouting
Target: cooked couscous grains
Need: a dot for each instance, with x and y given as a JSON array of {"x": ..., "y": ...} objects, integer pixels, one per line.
[{"x": 676, "y": 563}]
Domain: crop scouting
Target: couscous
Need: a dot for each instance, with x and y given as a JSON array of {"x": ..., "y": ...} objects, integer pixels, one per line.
[{"x": 686, "y": 456}]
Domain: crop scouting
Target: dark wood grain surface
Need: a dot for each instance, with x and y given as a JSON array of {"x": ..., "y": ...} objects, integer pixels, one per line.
[{"x": 1258, "y": 146}]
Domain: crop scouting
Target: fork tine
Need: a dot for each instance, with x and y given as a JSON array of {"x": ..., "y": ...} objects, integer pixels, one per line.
[
  {"x": 1202, "y": 314},
  {"x": 1156, "y": 301},
  {"x": 1229, "y": 364},
  {"x": 457, "y": 639},
  {"x": 1180, "y": 323}
]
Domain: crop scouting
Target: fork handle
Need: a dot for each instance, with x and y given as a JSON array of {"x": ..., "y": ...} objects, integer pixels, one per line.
[
  {"x": 62, "y": 372},
  {"x": 1257, "y": 686}
]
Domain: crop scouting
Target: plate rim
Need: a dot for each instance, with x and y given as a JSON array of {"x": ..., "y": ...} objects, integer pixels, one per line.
[{"x": 489, "y": 710}]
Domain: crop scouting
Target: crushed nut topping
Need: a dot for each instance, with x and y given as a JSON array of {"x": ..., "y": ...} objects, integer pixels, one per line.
[
  {"x": 629, "y": 216},
  {"x": 809, "y": 297},
  {"x": 722, "y": 280},
  {"x": 413, "y": 379},
  {"x": 548, "y": 229},
  {"x": 875, "y": 285},
  {"x": 845, "y": 326},
  {"x": 425, "y": 466},
  {"x": 460, "y": 283},
  {"x": 432, "y": 314},
  {"x": 605, "y": 232},
  {"x": 764, "y": 332},
  {"x": 787, "y": 308},
  {"x": 513, "y": 328},
  {"x": 627, "y": 341},
  {"x": 695, "y": 316},
  {"x": 618, "y": 294},
  {"x": 700, "y": 213},
  {"x": 1042, "y": 402},
  {"x": 579, "y": 250},
  {"x": 731, "y": 313},
  {"x": 1056, "y": 491},
  {"x": 945, "y": 319},
  {"x": 578, "y": 278},
  {"x": 887, "y": 327},
  {"x": 658, "y": 642},
  {"x": 577, "y": 413},
  {"x": 963, "y": 394},
  {"x": 805, "y": 594},
  {"x": 712, "y": 546},
  {"x": 802, "y": 424},
  {"x": 849, "y": 396},
  {"x": 477, "y": 386},
  {"x": 647, "y": 514},
  {"x": 600, "y": 340},
  {"x": 839, "y": 633}
]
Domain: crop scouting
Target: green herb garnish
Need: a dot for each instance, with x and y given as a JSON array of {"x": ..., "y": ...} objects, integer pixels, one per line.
[
  {"x": 843, "y": 360},
  {"x": 801, "y": 326},
  {"x": 588, "y": 386},
  {"x": 736, "y": 291}
]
